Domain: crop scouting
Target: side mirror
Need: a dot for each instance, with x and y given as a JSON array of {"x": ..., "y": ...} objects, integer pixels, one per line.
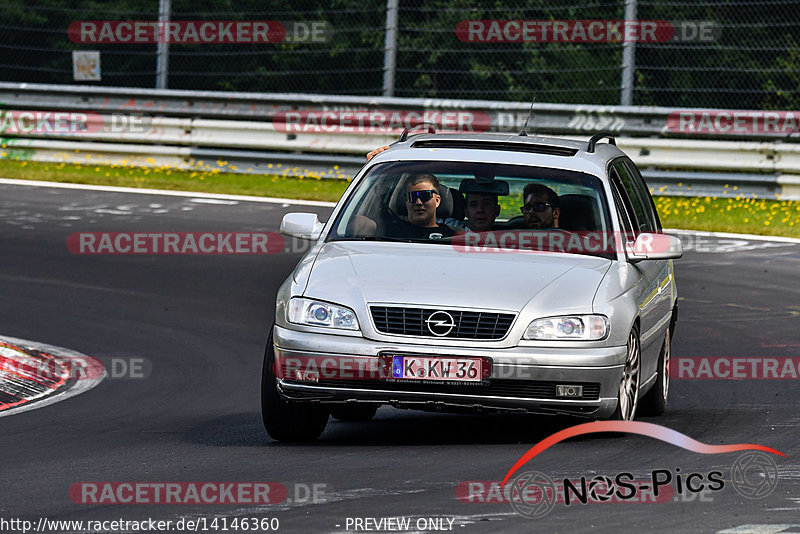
[
  {"x": 654, "y": 247},
  {"x": 302, "y": 225}
]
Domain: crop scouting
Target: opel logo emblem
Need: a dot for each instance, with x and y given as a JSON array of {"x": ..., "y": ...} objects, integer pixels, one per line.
[{"x": 440, "y": 323}]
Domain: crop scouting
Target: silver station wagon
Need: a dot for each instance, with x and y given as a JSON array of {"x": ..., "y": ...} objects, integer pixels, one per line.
[{"x": 477, "y": 272}]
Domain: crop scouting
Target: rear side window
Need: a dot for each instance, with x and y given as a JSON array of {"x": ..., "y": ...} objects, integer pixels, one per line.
[
  {"x": 645, "y": 221},
  {"x": 644, "y": 192}
]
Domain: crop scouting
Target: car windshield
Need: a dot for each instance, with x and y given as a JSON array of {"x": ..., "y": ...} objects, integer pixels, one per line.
[{"x": 395, "y": 201}]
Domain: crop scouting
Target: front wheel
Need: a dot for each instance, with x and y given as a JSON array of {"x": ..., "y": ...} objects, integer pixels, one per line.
[
  {"x": 655, "y": 401},
  {"x": 287, "y": 420},
  {"x": 628, "y": 392}
]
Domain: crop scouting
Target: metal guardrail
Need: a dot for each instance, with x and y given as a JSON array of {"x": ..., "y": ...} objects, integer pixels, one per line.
[
  {"x": 239, "y": 132},
  {"x": 505, "y": 116},
  {"x": 263, "y": 107}
]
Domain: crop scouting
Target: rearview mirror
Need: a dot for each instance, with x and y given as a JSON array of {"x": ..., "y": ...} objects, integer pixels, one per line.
[
  {"x": 484, "y": 186},
  {"x": 654, "y": 247},
  {"x": 302, "y": 225}
]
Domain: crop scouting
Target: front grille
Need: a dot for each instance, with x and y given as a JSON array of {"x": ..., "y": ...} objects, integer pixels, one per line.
[
  {"x": 524, "y": 389},
  {"x": 467, "y": 324}
]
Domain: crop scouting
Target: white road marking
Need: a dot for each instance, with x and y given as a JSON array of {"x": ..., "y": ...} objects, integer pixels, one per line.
[
  {"x": 758, "y": 529},
  {"x": 795, "y": 500},
  {"x": 191, "y": 194},
  {"x": 213, "y": 201},
  {"x": 750, "y": 237},
  {"x": 112, "y": 212},
  {"x": 73, "y": 207},
  {"x": 724, "y": 243},
  {"x": 78, "y": 386}
]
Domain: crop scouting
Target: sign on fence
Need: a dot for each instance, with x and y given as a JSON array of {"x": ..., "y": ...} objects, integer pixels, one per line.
[{"x": 86, "y": 65}]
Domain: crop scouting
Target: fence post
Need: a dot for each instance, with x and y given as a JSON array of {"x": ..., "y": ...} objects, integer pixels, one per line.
[
  {"x": 628, "y": 56},
  {"x": 162, "y": 51},
  {"x": 390, "y": 50}
]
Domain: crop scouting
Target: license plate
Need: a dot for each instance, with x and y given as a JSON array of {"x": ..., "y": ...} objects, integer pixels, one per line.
[{"x": 426, "y": 368}]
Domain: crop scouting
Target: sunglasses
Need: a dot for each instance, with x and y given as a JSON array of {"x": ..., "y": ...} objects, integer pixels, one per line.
[
  {"x": 537, "y": 207},
  {"x": 424, "y": 196}
]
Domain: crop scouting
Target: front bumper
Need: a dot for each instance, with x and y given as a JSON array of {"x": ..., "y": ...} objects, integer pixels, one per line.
[{"x": 522, "y": 378}]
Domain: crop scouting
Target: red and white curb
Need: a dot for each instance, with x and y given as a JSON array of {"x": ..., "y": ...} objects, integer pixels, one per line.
[{"x": 34, "y": 374}]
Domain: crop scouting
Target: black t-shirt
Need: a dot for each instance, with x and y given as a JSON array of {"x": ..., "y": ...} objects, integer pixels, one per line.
[{"x": 404, "y": 229}]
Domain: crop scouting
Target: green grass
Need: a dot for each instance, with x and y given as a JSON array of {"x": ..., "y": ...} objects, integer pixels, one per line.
[{"x": 737, "y": 215}]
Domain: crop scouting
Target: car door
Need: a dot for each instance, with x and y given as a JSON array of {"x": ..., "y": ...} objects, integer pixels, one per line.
[
  {"x": 668, "y": 294},
  {"x": 652, "y": 291}
]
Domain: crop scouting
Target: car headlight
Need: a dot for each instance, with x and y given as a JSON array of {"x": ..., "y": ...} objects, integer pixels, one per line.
[
  {"x": 315, "y": 313},
  {"x": 568, "y": 327}
]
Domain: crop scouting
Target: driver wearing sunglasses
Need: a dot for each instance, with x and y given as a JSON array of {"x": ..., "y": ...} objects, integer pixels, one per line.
[
  {"x": 422, "y": 199},
  {"x": 541, "y": 210}
]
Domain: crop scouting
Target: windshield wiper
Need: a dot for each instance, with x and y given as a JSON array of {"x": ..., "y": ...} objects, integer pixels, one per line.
[
  {"x": 372, "y": 238},
  {"x": 392, "y": 239}
]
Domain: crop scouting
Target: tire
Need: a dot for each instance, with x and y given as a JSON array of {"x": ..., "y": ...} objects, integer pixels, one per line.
[
  {"x": 628, "y": 392},
  {"x": 286, "y": 420},
  {"x": 655, "y": 401},
  {"x": 356, "y": 412}
]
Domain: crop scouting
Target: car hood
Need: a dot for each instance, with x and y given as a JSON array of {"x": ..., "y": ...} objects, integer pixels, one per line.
[{"x": 351, "y": 273}]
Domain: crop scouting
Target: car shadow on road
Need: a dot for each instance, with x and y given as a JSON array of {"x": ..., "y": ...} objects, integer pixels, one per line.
[
  {"x": 410, "y": 427},
  {"x": 389, "y": 427}
]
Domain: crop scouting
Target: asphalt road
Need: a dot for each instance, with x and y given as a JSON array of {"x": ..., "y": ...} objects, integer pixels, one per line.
[{"x": 200, "y": 323}]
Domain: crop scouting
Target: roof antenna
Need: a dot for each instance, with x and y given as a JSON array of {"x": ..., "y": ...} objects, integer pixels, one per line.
[{"x": 524, "y": 131}]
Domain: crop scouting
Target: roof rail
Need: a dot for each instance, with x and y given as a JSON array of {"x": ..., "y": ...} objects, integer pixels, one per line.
[
  {"x": 406, "y": 131},
  {"x": 596, "y": 137}
]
